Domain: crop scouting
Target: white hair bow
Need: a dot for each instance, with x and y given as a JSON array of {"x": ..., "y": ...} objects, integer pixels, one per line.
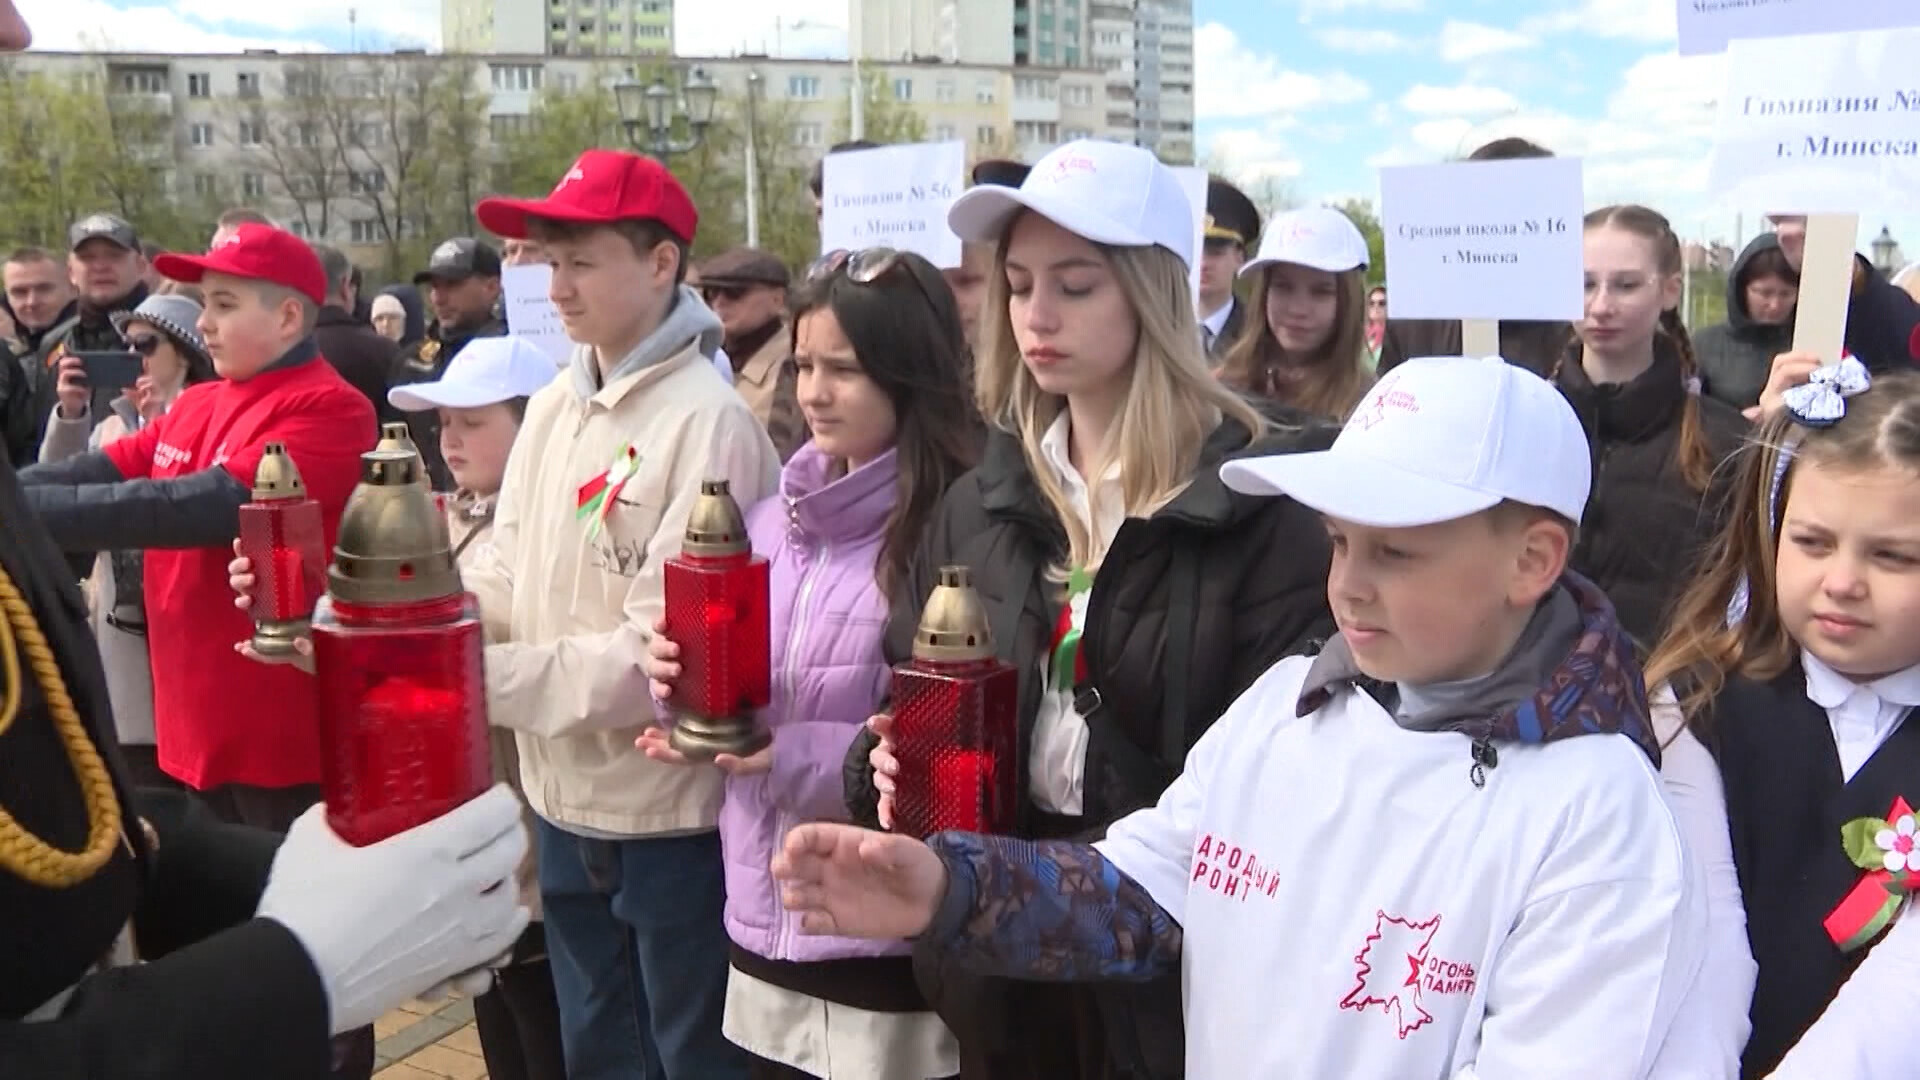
[{"x": 1822, "y": 400}]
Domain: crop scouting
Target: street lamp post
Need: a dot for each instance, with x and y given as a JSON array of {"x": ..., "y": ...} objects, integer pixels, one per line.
[
  {"x": 648, "y": 112},
  {"x": 1884, "y": 248}
]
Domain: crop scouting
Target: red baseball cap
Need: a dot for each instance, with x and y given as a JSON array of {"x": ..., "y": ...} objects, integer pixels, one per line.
[
  {"x": 260, "y": 252},
  {"x": 602, "y": 187}
]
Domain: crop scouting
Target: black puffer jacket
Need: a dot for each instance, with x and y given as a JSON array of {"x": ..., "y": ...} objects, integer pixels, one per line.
[
  {"x": 1644, "y": 527},
  {"x": 1241, "y": 579},
  {"x": 1736, "y": 355}
]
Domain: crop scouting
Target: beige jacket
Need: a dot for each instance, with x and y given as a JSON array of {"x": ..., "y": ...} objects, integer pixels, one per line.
[
  {"x": 766, "y": 382},
  {"x": 572, "y": 612}
]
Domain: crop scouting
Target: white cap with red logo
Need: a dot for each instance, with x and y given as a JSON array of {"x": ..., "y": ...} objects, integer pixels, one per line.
[
  {"x": 1316, "y": 236},
  {"x": 1109, "y": 193},
  {"x": 1438, "y": 439}
]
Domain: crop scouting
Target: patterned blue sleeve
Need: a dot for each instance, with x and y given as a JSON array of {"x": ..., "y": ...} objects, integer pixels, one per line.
[{"x": 1047, "y": 910}]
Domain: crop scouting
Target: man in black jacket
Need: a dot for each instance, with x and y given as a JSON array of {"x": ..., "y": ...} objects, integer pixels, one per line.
[
  {"x": 107, "y": 267},
  {"x": 462, "y": 280},
  {"x": 351, "y": 345},
  {"x": 258, "y": 950}
]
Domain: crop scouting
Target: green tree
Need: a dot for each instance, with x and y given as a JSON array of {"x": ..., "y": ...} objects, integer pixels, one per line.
[
  {"x": 532, "y": 152},
  {"x": 884, "y": 118},
  {"x": 1364, "y": 218}
]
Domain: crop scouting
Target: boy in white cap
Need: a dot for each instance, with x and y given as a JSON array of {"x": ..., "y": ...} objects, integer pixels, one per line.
[{"x": 1436, "y": 851}]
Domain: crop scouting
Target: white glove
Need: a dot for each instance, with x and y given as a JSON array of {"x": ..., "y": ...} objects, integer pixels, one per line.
[{"x": 385, "y": 922}]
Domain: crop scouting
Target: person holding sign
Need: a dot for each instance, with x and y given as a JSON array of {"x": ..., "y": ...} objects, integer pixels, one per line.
[
  {"x": 1134, "y": 593},
  {"x": 1437, "y": 850},
  {"x": 1795, "y": 656},
  {"x": 1533, "y": 345},
  {"x": 1308, "y": 344},
  {"x": 1881, "y": 316},
  {"x": 1657, "y": 444}
]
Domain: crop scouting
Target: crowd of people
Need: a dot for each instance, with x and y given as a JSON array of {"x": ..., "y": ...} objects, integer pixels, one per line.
[{"x": 1383, "y": 711}]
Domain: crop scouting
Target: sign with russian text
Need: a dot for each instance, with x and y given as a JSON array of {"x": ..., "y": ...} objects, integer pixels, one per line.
[
  {"x": 1706, "y": 26},
  {"x": 893, "y": 197},
  {"x": 1822, "y": 124},
  {"x": 530, "y": 314},
  {"x": 1485, "y": 239}
]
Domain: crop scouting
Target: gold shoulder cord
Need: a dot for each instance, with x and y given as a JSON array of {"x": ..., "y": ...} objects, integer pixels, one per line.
[{"x": 23, "y": 854}]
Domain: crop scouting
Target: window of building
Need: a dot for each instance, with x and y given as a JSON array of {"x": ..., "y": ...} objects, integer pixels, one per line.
[
  {"x": 983, "y": 93},
  {"x": 943, "y": 133},
  {"x": 302, "y": 84},
  {"x": 363, "y": 231},
  {"x": 648, "y": 30},
  {"x": 558, "y": 26},
  {"x": 200, "y": 135},
  {"x": 249, "y": 84},
  {"x": 985, "y": 135},
  {"x": 206, "y": 184},
  {"x": 803, "y": 86},
  {"x": 250, "y": 134},
  {"x": 943, "y": 91},
  {"x": 253, "y": 185},
  {"x": 903, "y": 89},
  {"x": 298, "y": 228},
  {"x": 517, "y": 76},
  {"x": 807, "y": 134},
  {"x": 200, "y": 84}
]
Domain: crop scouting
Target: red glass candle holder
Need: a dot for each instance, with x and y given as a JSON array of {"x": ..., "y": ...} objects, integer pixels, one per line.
[
  {"x": 955, "y": 721},
  {"x": 282, "y": 535},
  {"x": 716, "y": 599},
  {"x": 403, "y": 715}
]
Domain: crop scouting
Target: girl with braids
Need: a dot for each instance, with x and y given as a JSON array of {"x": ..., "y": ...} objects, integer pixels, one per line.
[
  {"x": 1794, "y": 657},
  {"x": 1657, "y": 444}
]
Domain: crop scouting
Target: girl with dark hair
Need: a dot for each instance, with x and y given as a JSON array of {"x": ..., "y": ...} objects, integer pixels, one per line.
[
  {"x": 1657, "y": 444},
  {"x": 879, "y": 351},
  {"x": 172, "y": 357}
]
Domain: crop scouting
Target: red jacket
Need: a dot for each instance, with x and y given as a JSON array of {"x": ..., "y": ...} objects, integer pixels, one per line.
[{"x": 220, "y": 718}]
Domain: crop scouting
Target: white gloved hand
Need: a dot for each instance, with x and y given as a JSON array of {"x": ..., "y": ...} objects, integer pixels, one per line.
[{"x": 385, "y": 922}]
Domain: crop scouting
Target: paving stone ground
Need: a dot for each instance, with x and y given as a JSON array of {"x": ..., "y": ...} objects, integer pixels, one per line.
[{"x": 425, "y": 1040}]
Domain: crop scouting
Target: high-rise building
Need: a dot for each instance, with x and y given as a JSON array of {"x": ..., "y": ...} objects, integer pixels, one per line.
[
  {"x": 953, "y": 31},
  {"x": 557, "y": 27}
]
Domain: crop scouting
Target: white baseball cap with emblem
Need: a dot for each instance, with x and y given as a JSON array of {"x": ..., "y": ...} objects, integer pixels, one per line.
[
  {"x": 1437, "y": 439},
  {"x": 1107, "y": 192},
  {"x": 486, "y": 371},
  {"x": 1316, "y": 236}
]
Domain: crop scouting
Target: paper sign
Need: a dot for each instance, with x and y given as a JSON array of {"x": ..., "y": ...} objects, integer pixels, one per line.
[
  {"x": 895, "y": 197},
  {"x": 1823, "y": 124},
  {"x": 530, "y": 314},
  {"x": 1485, "y": 240},
  {"x": 1706, "y": 26},
  {"x": 1194, "y": 182}
]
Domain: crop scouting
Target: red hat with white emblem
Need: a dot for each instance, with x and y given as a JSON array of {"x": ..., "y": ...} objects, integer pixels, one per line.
[
  {"x": 258, "y": 252},
  {"x": 602, "y": 187}
]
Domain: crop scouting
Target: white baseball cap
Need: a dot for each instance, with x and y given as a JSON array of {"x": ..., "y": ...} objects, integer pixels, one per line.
[
  {"x": 487, "y": 371},
  {"x": 1107, "y": 192},
  {"x": 1316, "y": 236},
  {"x": 1438, "y": 438}
]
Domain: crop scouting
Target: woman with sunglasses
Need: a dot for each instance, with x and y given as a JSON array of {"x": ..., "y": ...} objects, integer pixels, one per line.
[
  {"x": 172, "y": 358},
  {"x": 1135, "y": 594},
  {"x": 877, "y": 352}
]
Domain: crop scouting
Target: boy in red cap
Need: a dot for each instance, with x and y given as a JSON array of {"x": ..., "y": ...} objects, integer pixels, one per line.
[
  {"x": 176, "y": 487},
  {"x": 596, "y": 498}
]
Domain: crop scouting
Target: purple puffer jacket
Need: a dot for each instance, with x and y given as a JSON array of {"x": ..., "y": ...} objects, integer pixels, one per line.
[{"x": 823, "y": 540}]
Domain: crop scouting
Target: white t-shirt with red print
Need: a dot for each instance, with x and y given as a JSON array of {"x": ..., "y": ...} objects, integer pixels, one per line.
[{"x": 1355, "y": 907}]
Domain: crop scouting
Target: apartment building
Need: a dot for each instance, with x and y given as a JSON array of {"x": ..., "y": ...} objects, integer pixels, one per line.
[
  {"x": 216, "y": 149},
  {"x": 584, "y": 28},
  {"x": 956, "y": 31}
]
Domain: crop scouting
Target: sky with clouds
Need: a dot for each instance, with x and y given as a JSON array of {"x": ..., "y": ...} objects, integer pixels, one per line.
[{"x": 1315, "y": 94}]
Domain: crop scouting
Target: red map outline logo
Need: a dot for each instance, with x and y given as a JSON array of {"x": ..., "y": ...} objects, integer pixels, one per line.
[{"x": 1403, "y": 998}]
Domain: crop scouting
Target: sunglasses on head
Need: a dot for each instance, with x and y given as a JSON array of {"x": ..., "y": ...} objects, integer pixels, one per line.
[
  {"x": 864, "y": 267},
  {"x": 144, "y": 344}
]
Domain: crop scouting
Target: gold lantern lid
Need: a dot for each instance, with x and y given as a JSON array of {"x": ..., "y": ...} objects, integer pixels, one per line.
[
  {"x": 396, "y": 436},
  {"x": 394, "y": 547},
  {"x": 276, "y": 478},
  {"x": 716, "y": 528},
  {"x": 953, "y": 625}
]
